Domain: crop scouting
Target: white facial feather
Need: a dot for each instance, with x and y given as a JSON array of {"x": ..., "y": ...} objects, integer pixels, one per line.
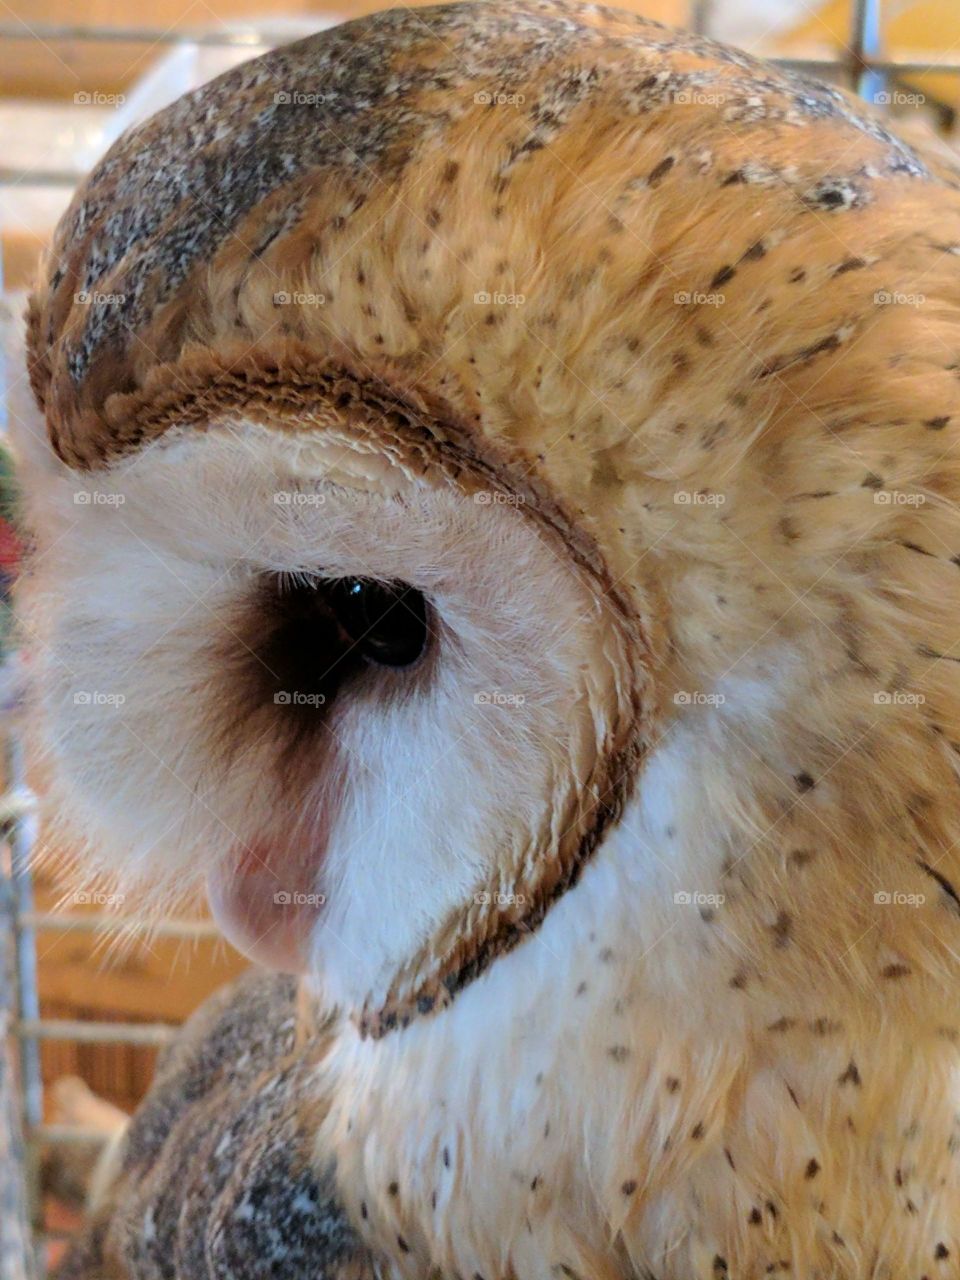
[{"x": 139, "y": 601}]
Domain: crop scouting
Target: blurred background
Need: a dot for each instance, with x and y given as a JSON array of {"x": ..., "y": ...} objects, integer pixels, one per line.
[{"x": 80, "y": 1026}]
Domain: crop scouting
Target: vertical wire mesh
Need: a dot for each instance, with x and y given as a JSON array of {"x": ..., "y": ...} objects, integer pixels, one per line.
[
  {"x": 869, "y": 79},
  {"x": 20, "y": 1085},
  {"x": 19, "y": 1072}
]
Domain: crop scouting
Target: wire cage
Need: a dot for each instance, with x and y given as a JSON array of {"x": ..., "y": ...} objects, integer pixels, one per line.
[{"x": 860, "y": 67}]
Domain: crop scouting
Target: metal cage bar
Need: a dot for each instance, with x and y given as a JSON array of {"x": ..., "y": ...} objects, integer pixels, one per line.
[
  {"x": 865, "y": 41},
  {"x": 21, "y": 1100}
]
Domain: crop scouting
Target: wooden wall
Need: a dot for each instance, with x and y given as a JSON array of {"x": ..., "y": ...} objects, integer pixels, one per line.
[{"x": 81, "y": 978}]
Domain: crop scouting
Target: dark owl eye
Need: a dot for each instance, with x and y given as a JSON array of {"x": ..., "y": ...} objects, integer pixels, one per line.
[{"x": 386, "y": 621}]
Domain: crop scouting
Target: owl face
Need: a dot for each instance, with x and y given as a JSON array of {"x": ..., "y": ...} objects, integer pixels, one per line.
[{"x": 349, "y": 701}]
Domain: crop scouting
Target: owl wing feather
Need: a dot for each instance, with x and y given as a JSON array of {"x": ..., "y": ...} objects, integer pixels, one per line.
[{"x": 216, "y": 1178}]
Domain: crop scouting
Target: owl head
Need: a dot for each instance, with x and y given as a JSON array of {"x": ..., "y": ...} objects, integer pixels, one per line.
[{"x": 480, "y": 449}]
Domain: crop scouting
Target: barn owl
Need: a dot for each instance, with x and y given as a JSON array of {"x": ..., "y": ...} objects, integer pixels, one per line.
[{"x": 492, "y": 490}]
